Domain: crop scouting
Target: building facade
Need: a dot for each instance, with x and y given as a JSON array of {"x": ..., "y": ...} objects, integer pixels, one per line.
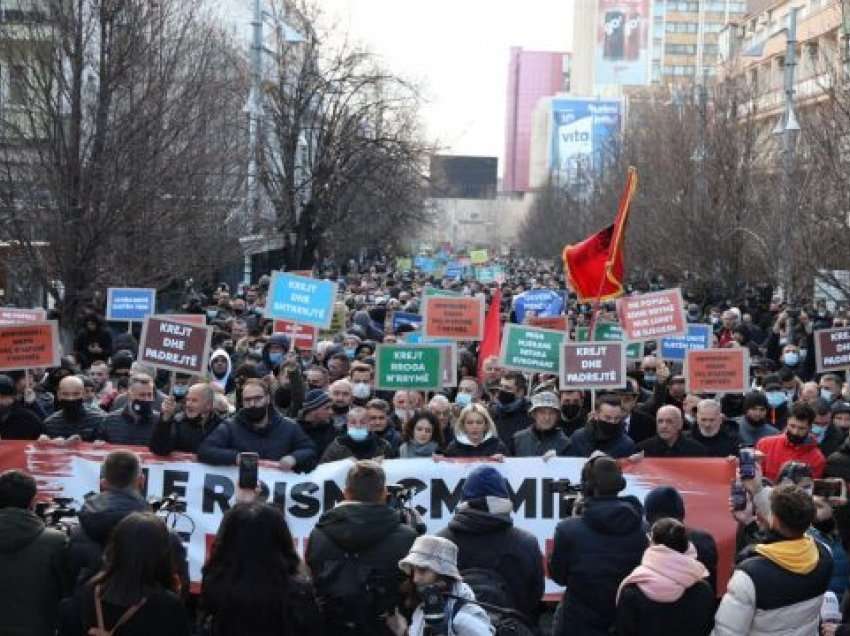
[{"x": 531, "y": 76}]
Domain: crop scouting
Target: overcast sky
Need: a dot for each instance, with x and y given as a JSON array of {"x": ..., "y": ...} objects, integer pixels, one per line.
[{"x": 459, "y": 49}]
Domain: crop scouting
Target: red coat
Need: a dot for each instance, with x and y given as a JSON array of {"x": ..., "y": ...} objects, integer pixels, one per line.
[{"x": 778, "y": 450}]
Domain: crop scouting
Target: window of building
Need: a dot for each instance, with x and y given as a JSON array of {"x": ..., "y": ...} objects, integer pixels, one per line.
[
  {"x": 17, "y": 85},
  {"x": 680, "y": 49}
]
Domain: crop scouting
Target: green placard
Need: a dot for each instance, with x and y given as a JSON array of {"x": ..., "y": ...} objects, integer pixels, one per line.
[
  {"x": 403, "y": 264},
  {"x": 610, "y": 332},
  {"x": 435, "y": 291},
  {"x": 409, "y": 367},
  {"x": 532, "y": 350}
]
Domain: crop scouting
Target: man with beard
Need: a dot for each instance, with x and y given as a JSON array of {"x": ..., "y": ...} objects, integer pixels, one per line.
[
  {"x": 184, "y": 431},
  {"x": 134, "y": 423},
  {"x": 510, "y": 410},
  {"x": 573, "y": 415},
  {"x": 753, "y": 424},
  {"x": 797, "y": 443},
  {"x": 73, "y": 419},
  {"x": 603, "y": 432},
  {"x": 316, "y": 419},
  {"x": 99, "y": 373},
  {"x": 341, "y": 393}
]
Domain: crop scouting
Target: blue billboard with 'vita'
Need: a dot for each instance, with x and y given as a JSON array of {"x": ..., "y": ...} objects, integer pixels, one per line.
[{"x": 585, "y": 134}]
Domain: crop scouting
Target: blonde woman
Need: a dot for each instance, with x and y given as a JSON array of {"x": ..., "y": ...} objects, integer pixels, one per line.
[{"x": 475, "y": 435}]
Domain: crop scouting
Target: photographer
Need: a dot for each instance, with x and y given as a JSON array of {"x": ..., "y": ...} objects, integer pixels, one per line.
[
  {"x": 33, "y": 561},
  {"x": 432, "y": 568},
  {"x": 353, "y": 554},
  {"x": 594, "y": 553}
]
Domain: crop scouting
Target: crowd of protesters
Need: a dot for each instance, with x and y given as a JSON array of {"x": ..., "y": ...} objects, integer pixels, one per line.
[{"x": 629, "y": 566}]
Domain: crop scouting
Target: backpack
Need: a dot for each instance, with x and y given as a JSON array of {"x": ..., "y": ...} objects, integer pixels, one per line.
[{"x": 491, "y": 587}]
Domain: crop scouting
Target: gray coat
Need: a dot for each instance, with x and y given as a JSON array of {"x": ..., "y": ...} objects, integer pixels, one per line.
[
  {"x": 529, "y": 442},
  {"x": 87, "y": 427}
]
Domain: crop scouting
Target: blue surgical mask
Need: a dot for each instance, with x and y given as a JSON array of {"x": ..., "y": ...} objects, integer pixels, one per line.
[
  {"x": 776, "y": 398},
  {"x": 818, "y": 431},
  {"x": 463, "y": 399},
  {"x": 350, "y": 353},
  {"x": 826, "y": 394},
  {"x": 180, "y": 390},
  {"x": 650, "y": 379},
  {"x": 275, "y": 358},
  {"x": 358, "y": 434},
  {"x": 790, "y": 359}
]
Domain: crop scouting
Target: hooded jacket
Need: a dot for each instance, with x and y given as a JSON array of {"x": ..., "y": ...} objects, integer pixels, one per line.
[
  {"x": 777, "y": 588},
  {"x": 373, "y": 532},
  {"x": 749, "y": 434},
  {"x": 591, "y": 556},
  {"x": 590, "y": 438},
  {"x": 267, "y": 366},
  {"x": 33, "y": 573},
  {"x": 490, "y": 541},
  {"x": 227, "y": 384},
  {"x": 778, "y": 450},
  {"x": 281, "y": 437}
]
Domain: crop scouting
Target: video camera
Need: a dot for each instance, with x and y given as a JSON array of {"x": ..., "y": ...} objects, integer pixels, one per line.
[
  {"x": 54, "y": 511},
  {"x": 571, "y": 493},
  {"x": 399, "y": 497},
  {"x": 434, "y": 601}
]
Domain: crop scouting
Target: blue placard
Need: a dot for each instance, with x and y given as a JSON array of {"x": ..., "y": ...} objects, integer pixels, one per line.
[
  {"x": 405, "y": 318},
  {"x": 699, "y": 337},
  {"x": 543, "y": 302},
  {"x": 130, "y": 304},
  {"x": 307, "y": 301},
  {"x": 454, "y": 270},
  {"x": 425, "y": 264},
  {"x": 416, "y": 337}
]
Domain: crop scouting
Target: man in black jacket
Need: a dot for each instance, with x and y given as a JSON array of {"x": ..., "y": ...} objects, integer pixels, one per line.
[
  {"x": 544, "y": 438},
  {"x": 669, "y": 440},
  {"x": 712, "y": 431},
  {"x": 33, "y": 561},
  {"x": 184, "y": 431},
  {"x": 73, "y": 417},
  {"x": 353, "y": 554},
  {"x": 316, "y": 419},
  {"x": 122, "y": 483},
  {"x": 257, "y": 427},
  {"x": 486, "y": 538},
  {"x": 134, "y": 423},
  {"x": 510, "y": 410},
  {"x": 593, "y": 553},
  {"x": 16, "y": 421}
]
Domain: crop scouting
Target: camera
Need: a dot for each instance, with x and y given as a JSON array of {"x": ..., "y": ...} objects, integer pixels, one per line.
[
  {"x": 434, "y": 608},
  {"x": 54, "y": 511},
  {"x": 566, "y": 487},
  {"x": 399, "y": 495},
  {"x": 571, "y": 494},
  {"x": 171, "y": 503}
]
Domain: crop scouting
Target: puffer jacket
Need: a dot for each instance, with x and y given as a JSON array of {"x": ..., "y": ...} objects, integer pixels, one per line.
[
  {"x": 589, "y": 439},
  {"x": 531, "y": 442},
  {"x": 592, "y": 555},
  {"x": 87, "y": 427},
  {"x": 765, "y": 599},
  {"x": 469, "y": 620}
]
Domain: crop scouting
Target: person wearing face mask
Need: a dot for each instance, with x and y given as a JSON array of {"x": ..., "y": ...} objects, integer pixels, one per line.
[
  {"x": 649, "y": 376},
  {"x": 603, "y": 432},
  {"x": 825, "y": 532},
  {"x": 361, "y": 383},
  {"x": 221, "y": 370},
  {"x": 316, "y": 419},
  {"x": 830, "y": 386},
  {"x": 357, "y": 440},
  {"x": 510, "y": 411},
  {"x": 402, "y": 409},
  {"x": 796, "y": 443},
  {"x": 134, "y": 423},
  {"x": 637, "y": 423},
  {"x": 72, "y": 417},
  {"x": 573, "y": 414},
  {"x": 341, "y": 393},
  {"x": 349, "y": 345},
  {"x": 829, "y": 437},
  {"x": 257, "y": 427},
  {"x": 777, "y": 401},
  {"x": 184, "y": 431},
  {"x": 753, "y": 424},
  {"x": 274, "y": 352},
  {"x": 786, "y": 351}
]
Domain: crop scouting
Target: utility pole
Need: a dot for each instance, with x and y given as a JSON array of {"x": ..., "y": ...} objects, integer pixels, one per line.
[
  {"x": 789, "y": 129},
  {"x": 699, "y": 156},
  {"x": 254, "y": 110},
  {"x": 845, "y": 38}
]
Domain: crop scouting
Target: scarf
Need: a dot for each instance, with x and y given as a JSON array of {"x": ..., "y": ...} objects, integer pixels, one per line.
[
  {"x": 664, "y": 573},
  {"x": 415, "y": 449},
  {"x": 799, "y": 556}
]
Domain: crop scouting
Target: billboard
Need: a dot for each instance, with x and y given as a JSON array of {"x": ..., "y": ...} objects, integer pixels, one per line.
[
  {"x": 622, "y": 42},
  {"x": 583, "y": 131}
]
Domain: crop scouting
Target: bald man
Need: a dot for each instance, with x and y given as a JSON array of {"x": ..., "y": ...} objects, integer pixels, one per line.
[
  {"x": 184, "y": 431},
  {"x": 73, "y": 419},
  {"x": 668, "y": 440}
]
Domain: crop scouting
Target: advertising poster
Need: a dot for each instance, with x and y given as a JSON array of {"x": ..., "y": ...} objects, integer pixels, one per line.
[
  {"x": 622, "y": 42},
  {"x": 584, "y": 131}
]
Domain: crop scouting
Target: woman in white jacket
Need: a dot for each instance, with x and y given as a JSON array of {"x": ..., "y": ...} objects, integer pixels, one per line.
[{"x": 432, "y": 564}]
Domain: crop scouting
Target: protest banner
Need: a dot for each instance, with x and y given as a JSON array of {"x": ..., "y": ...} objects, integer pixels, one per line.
[
  {"x": 407, "y": 319},
  {"x": 610, "y": 332},
  {"x": 459, "y": 318},
  {"x": 832, "y": 349},
  {"x": 490, "y": 274},
  {"x": 306, "y": 301},
  {"x": 558, "y": 323},
  {"x": 592, "y": 365},
  {"x": 18, "y": 315},
  {"x": 436, "y": 291},
  {"x": 29, "y": 345},
  {"x": 540, "y": 302},
  {"x": 478, "y": 257},
  {"x": 175, "y": 346},
  {"x": 454, "y": 270},
  {"x": 717, "y": 370},
  {"x": 698, "y": 338},
  {"x": 130, "y": 304},
  {"x": 425, "y": 264},
  {"x": 417, "y": 367},
  {"x": 403, "y": 264},
  {"x": 653, "y": 315},
  {"x": 301, "y": 336},
  {"x": 189, "y": 319},
  {"x": 209, "y": 491},
  {"x": 530, "y": 349}
]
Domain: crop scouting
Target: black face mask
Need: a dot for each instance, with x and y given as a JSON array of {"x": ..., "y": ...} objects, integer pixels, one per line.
[
  {"x": 254, "y": 414},
  {"x": 570, "y": 411},
  {"x": 340, "y": 409},
  {"x": 72, "y": 409},
  {"x": 143, "y": 409},
  {"x": 796, "y": 440},
  {"x": 827, "y": 526},
  {"x": 607, "y": 429},
  {"x": 505, "y": 397}
]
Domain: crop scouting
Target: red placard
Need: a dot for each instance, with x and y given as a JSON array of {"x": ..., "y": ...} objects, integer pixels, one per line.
[
  {"x": 717, "y": 370},
  {"x": 832, "y": 349},
  {"x": 455, "y": 317},
  {"x": 31, "y": 345},
  {"x": 191, "y": 319},
  {"x": 558, "y": 323},
  {"x": 302, "y": 336},
  {"x": 17, "y": 315},
  {"x": 652, "y": 316}
]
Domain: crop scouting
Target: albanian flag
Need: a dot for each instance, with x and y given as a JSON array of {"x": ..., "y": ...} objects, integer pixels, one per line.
[{"x": 595, "y": 267}]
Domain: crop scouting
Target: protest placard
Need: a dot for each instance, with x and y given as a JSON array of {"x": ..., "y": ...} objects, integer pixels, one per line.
[
  {"x": 403, "y": 264},
  {"x": 530, "y": 349},
  {"x": 610, "y": 332},
  {"x": 478, "y": 257},
  {"x": 30, "y": 345},
  {"x": 408, "y": 366},
  {"x": 459, "y": 318},
  {"x": 699, "y": 337},
  {"x": 301, "y": 336},
  {"x": 191, "y": 319},
  {"x": 832, "y": 349},
  {"x": 425, "y": 263},
  {"x": 539, "y": 302},
  {"x": 130, "y": 304},
  {"x": 306, "y": 301},
  {"x": 176, "y": 346},
  {"x": 454, "y": 270},
  {"x": 717, "y": 370},
  {"x": 406, "y": 319},
  {"x": 651, "y": 316},
  {"x": 18, "y": 315},
  {"x": 593, "y": 365},
  {"x": 558, "y": 323}
]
